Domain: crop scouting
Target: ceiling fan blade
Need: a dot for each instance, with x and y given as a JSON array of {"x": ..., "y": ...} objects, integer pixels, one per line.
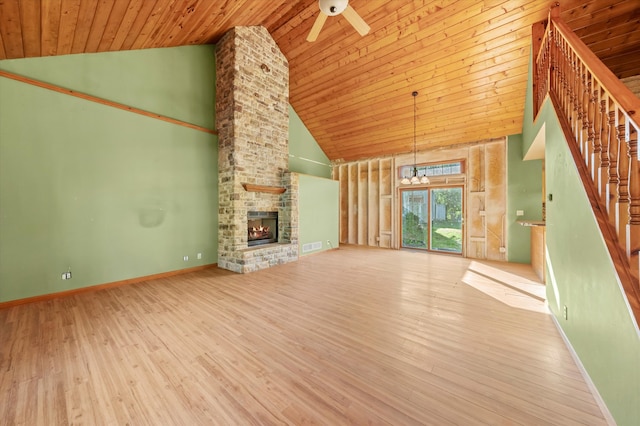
[
  {"x": 317, "y": 26},
  {"x": 356, "y": 21}
]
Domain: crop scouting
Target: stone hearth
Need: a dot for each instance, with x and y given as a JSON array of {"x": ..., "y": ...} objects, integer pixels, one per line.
[{"x": 252, "y": 116}]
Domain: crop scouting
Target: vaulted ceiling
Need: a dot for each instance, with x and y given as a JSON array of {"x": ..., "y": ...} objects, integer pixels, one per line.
[{"x": 467, "y": 59}]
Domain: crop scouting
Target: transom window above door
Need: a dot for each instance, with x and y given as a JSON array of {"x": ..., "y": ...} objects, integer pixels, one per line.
[{"x": 433, "y": 169}]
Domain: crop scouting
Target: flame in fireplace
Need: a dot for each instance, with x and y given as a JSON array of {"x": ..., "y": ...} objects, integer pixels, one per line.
[
  {"x": 257, "y": 232},
  {"x": 262, "y": 227}
]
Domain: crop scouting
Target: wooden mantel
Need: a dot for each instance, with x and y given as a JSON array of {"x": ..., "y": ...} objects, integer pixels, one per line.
[{"x": 263, "y": 188}]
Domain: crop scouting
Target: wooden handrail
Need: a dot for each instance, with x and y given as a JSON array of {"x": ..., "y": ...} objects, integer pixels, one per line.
[
  {"x": 620, "y": 93},
  {"x": 600, "y": 118}
]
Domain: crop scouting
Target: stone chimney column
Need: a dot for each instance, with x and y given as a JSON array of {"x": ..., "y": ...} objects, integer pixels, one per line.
[{"x": 252, "y": 118}]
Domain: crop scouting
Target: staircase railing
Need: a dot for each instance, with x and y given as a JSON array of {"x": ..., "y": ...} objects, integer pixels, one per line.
[{"x": 600, "y": 117}]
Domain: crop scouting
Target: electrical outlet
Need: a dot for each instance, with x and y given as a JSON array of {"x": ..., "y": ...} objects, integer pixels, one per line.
[
  {"x": 64, "y": 275},
  {"x": 503, "y": 249},
  {"x": 199, "y": 256},
  {"x": 185, "y": 258},
  {"x": 565, "y": 312},
  {"x": 519, "y": 212}
]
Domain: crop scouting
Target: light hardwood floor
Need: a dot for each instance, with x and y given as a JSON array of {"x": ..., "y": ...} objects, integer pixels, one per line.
[{"x": 355, "y": 335}]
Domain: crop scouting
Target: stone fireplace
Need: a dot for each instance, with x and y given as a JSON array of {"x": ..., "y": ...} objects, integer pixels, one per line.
[{"x": 252, "y": 116}]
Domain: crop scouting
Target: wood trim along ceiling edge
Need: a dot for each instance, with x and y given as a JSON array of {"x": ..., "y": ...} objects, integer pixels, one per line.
[
  {"x": 66, "y": 293},
  {"x": 102, "y": 101}
]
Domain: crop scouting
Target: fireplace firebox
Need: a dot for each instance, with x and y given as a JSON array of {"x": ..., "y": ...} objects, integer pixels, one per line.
[{"x": 262, "y": 228}]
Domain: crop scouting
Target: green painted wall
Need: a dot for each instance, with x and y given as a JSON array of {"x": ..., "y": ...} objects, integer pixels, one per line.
[
  {"x": 524, "y": 192},
  {"x": 580, "y": 276},
  {"x": 305, "y": 155},
  {"x": 115, "y": 195},
  {"x": 177, "y": 82},
  {"x": 110, "y": 194},
  {"x": 530, "y": 128},
  {"x": 319, "y": 212},
  {"x": 319, "y": 209}
]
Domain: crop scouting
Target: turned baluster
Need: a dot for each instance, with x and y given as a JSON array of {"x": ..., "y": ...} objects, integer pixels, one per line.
[
  {"x": 622, "y": 206},
  {"x": 612, "y": 181},
  {"x": 577, "y": 130},
  {"x": 568, "y": 110},
  {"x": 573, "y": 95},
  {"x": 604, "y": 148},
  {"x": 537, "y": 88},
  {"x": 542, "y": 77},
  {"x": 595, "y": 133},
  {"x": 562, "y": 71},
  {"x": 587, "y": 149},
  {"x": 555, "y": 63},
  {"x": 633, "y": 227},
  {"x": 577, "y": 100},
  {"x": 565, "y": 78},
  {"x": 548, "y": 71},
  {"x": 547, "y": 64}
]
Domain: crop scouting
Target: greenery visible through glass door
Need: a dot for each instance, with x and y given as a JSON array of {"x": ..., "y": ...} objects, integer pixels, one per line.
[
  {"x": 415, "y": 212},
  {"x": 446, "y": 219}
]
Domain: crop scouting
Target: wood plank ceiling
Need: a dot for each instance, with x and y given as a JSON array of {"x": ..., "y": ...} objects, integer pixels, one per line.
[{"x": 468, "y": 59}]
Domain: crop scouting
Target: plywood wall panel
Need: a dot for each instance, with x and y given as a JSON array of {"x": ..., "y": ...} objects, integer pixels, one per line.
[
  {"x": 386, "y": 176},
  {"x": 373, "y": 217},
  {"x": 363, "y": 203},
  {"x": 476, "y": 214},
  {"x": 343, "y": 177},
  {"x": 385, "y": 240},
  {"x": 353, "y": 203},
  {"x": 386, "y": 221},
  {"x": 374, "y": 195},
  {"x": 495, "y": 175},
  {"x": 474, "y": 169}
]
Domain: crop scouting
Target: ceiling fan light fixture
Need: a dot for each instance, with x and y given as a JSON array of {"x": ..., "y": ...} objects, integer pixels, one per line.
[{"x": 333, "y": 7}]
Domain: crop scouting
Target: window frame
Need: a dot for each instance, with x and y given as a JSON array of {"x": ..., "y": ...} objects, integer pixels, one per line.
[{"x": 431, "y": 164}]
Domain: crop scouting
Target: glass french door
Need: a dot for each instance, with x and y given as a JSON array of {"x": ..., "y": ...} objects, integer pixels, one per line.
[{"x": 432, "y": 219}]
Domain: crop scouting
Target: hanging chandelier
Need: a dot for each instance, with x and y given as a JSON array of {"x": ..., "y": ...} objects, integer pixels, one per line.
[{"x": 415, "y": 180}]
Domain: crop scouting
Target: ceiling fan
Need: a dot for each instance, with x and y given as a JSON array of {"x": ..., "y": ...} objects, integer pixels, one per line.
[{"x": 333, "y": 8}]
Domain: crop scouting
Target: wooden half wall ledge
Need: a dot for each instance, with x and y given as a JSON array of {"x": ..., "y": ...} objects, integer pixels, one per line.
[
  {"x": 102, "y": 101},
  {"x": 249, "y": 187},
  {"x": 67, "y": 293}
]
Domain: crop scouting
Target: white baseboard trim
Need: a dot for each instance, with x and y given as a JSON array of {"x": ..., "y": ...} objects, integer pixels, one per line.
[{"x": 594, "y": 391}]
